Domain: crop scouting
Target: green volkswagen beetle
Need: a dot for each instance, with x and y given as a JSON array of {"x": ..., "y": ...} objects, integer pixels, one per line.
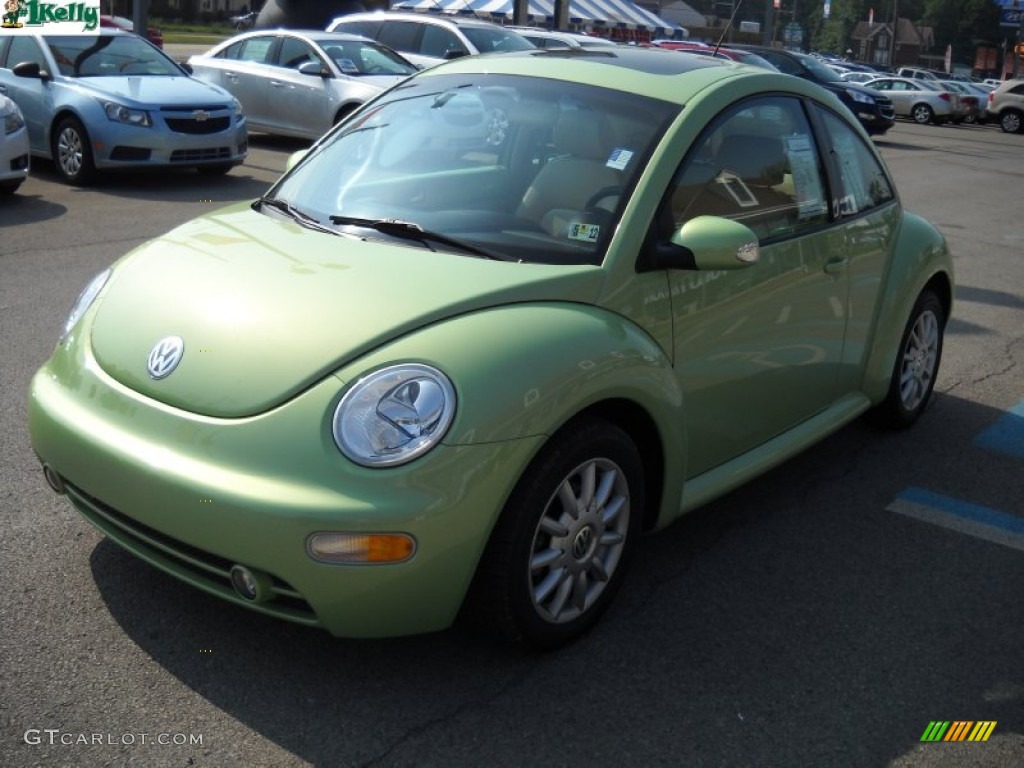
[{"x": 510, "y": 315}]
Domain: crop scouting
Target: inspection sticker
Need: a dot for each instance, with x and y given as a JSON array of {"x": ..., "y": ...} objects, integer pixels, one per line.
[{"x": 588, "y": 233}]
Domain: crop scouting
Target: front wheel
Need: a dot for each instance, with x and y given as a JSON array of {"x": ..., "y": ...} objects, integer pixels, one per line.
[
  {"x": 922, "y": 114},
  {"x": 560, "y": 549},
  {"x": 913, "y": 376},
  {"x": 72, "y": 153}
]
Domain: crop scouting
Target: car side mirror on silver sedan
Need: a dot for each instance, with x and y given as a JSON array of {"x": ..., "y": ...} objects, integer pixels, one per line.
[{"x": 314, "y": 68}]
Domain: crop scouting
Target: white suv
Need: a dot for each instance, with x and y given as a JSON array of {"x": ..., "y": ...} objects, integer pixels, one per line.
[{"x": 428, "y": 40}]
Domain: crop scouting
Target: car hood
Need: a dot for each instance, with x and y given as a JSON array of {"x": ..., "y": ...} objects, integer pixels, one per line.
[
  {"x": 149, "y": 90},
  {"x": 265, "y": 308}
]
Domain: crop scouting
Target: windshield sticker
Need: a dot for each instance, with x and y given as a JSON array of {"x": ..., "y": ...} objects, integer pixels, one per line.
[
  {"x": 347, "y": 66},
  {"x": 806, "y": 183},
  {"x": 587, "y": 233},
  {"x": 619, "y": 159}
]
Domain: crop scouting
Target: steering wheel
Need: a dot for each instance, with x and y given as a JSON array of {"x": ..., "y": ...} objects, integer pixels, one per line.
[{"x": 602, "y": 194}]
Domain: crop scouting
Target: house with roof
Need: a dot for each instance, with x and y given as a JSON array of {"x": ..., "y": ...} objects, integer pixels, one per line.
[{"x": 873, "y": 44}]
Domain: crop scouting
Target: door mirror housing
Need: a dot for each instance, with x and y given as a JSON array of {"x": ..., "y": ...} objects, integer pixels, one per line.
[
  {"x": 707, "y": 243},
  {"x": 30, "y": 69}
]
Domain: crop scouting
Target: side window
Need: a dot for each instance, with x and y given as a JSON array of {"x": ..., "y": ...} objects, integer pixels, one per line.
[
  {"x": 24, "y": 49},
  {"x": 363, "y": 28},
  {"x": 757, "y": 164},
  {"x": 252, "y": 49},
  {"x": 1017, "y": 90},
  {"x": 294, "y": 53},
  {"x": 403, "y": 36},
  {"x": 865, "y": 184},
  {"x": 437, "y": 41}
]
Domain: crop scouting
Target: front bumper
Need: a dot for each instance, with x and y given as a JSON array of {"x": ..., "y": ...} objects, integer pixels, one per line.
[
  {"x": 14, "y": 155},
  {"x": 125, "y": 146},
  {"x": 195, "y": 495}
]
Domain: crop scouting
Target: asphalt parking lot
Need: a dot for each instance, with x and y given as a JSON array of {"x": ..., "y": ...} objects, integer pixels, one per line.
[{"x": 823, "y": 615}]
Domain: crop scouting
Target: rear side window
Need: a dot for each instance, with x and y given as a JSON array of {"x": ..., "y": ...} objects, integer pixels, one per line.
[
  {"x": 864, "y": 181},
  {"x": 403, "y": 36},
  {"x": 366, "y": 28},
  {"x": 437, "y": 41},
  {"x": 251, "y": 49}
]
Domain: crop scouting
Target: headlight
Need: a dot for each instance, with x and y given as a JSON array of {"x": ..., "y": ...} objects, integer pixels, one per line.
[
  {"x": 860, "y": 97},
  {"x": 122, "y": 114},
  {"x": 84, "y": 301},
  {"x": 394, "y": 415},
  {"x": 239, "y": 112},
  {"x": 12, "y": 121}
]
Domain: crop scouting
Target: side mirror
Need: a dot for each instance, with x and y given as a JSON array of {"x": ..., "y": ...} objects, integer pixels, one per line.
[
  {"x": 30, "y": 69},
  {"x": 708, "y": 243},
  {"x": 314, "y": 68},
  {"x": 457, "y": 53}
]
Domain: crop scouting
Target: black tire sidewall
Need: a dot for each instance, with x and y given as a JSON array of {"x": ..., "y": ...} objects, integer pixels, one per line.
[
  {"x": 503, "y": 587},
  {"x": 86, "y": 171},
  {"x": 893, "y": 411}
]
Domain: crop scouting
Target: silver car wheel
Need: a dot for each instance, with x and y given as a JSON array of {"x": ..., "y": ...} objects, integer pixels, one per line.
[
  {"x": 920, "y": 357},
  {"x": 579, "y": 540},
  {"x": 1010, "y": 122},
  {"x": 69, "y": 151},
  {"x": 922, "y": 114}
]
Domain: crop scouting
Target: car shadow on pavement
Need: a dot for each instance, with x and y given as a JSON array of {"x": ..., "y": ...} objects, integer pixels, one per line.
[
  {"x": 785, "y": 624},
  {"x": 170, "y": 185},
  {"x": 28, "y": 209}
]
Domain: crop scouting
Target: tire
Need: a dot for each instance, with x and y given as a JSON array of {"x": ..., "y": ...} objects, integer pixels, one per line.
[
  {"x": 214, "y": 170},
  {"x": 345, "y": 112},
  {"x": 922, "y": 114},
  {"x": 917, "y": 363},
  {"x": 72, "y": 152},
  {"x": 551, "y": 568},
  {"x": 1010, "y": 121}
]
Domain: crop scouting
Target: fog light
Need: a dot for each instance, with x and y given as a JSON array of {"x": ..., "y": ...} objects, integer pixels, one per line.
[
  {"x": 361, "y": 548},
  {"x": 250, "y": 584}
]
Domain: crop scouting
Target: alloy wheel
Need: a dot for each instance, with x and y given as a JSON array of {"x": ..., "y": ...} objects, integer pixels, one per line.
[{"x": 920, "y": 358}]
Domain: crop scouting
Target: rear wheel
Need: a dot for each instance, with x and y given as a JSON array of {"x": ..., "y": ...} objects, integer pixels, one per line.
[
  {"x": 913, "y": 376},
  {"x": 560, "y": 549},
  {"x": 922, "y": 114},
  {"x": 72, "y": 153},
  {"x": 1010, "y": 121}
]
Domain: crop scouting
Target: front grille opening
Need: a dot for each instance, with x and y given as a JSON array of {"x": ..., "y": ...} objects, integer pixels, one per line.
[
  {"x": 201, "y": 565},
  {"x": 130, "y": 153},
  {"x": 196, "y": 155},
  {"x": 196, "y": 127}
]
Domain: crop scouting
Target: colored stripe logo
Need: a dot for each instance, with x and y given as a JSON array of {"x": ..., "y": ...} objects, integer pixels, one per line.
[{"x": 958, "y": 730}]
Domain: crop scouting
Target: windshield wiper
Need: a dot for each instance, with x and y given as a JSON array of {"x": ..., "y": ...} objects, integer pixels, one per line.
[
  {"x": 410, "y": 230},
  {"x": 293, "y": 213}
]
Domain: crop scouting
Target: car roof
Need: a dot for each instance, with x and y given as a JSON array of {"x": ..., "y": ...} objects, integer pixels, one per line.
[
  {"x": 459, "y": 21},
  {"x": 665, "y": 74}
]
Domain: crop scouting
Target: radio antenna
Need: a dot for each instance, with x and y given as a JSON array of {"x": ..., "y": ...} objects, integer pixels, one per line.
[{"x": 735, "y": 10}]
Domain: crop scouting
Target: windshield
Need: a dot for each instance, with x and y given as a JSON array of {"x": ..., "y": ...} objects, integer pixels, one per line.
[
  {"x": 109, "y": 56},
  {"x": 526, "y": 168},
  {"x": 362, "y": 57}
]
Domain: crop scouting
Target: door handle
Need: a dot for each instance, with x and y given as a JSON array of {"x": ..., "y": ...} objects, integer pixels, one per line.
[{"x": 834, "y": 265}]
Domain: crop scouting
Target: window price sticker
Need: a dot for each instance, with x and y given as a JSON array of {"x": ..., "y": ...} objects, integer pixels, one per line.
[{"x": 619, "y": 159}]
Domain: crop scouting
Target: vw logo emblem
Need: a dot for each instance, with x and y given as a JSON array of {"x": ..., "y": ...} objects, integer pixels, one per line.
[
  {"x": 581, "y": 544},
  {"x": 165, "y": 356}
]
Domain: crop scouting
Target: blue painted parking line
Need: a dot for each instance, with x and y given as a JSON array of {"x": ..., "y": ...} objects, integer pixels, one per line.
[
  {"x": 961, "y": 516},
  {"x": 1007, "y": 434}
]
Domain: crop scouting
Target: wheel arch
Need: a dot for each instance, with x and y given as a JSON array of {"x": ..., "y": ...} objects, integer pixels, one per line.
[
  {"x": 59, "y": 115},
  {"x": 922, "y": 261}
]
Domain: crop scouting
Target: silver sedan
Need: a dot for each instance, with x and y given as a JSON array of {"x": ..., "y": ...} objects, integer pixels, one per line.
[{"x": 300, "y": 83}]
